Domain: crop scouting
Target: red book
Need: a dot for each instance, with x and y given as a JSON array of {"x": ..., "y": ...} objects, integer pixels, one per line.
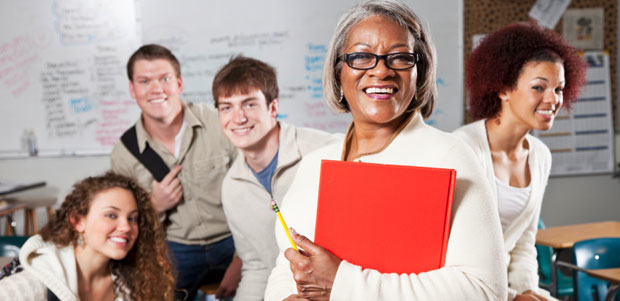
[{"x": 390, "y": 218}]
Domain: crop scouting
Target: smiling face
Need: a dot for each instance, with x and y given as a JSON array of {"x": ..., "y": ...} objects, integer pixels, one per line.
[
  {"x": 537, "y": 97},
  {"x": 246, "y": 118},
  {"x": 378, "y": 96},
  {"x": 110, "y": 228},
  {"x": 156, "y": 88}
]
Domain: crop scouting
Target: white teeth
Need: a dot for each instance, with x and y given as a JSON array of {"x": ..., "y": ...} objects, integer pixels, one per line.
[
  {"x": 243, "y": 130},
  {"x": 158, "y": 100},
  {"x": 118, "y": 239},
  {"x": 545, "y": 112},
  {"x": 379, "y": 90}
]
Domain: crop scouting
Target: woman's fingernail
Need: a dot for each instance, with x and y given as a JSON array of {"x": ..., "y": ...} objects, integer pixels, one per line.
[{"x": 292, "y": 230}]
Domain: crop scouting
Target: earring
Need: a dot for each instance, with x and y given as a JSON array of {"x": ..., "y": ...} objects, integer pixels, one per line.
[
  {"x": 80, "y": 240},
  {"x": 341, "y": 95}
]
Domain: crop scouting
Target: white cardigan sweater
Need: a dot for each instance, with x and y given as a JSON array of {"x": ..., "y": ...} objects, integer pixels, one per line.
[
  {"x": 520, "y": 237},
  {"x": 473, "y": 270}
]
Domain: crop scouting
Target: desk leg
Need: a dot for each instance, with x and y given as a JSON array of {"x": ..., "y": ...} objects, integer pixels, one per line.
[
  {"x": 50, "y": 213},
  {"x": 611, "y": 293},
  {"x": 28, "y": 214},
  {"x": 554, "y": 273},
  {"x": 10, "y": 226}
]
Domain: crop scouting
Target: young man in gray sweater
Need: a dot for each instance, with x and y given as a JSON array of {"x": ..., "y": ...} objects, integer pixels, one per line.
[{"x": 246, "y": 97}]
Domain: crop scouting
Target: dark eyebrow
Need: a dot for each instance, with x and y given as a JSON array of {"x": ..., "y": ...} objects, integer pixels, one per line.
[
  {"x": 251, "y": 98},
  {"x": 400, "y": 45},
  {"x": 137, "y": 76},
  {"x": 118, "y": 209},
  {"x": 222, "y": 102}
]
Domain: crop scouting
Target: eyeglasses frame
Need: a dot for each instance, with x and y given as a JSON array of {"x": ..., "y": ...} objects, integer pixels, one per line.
[{"x": 345, "y": 58}]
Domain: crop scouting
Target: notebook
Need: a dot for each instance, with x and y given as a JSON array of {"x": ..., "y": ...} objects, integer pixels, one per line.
[{"x": 390, "y": 218}]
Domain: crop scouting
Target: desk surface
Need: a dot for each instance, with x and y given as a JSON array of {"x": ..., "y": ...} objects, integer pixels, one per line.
[
  {"x": 8, "y": 188},
  {"x": 565, "y": 236},
  {"x": 611, "y": 275},
  {"x": 9, "y": 208}
]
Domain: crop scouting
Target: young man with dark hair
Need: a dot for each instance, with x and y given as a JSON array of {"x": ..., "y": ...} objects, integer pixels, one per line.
[
  {"x": 177, "y": 152},
  {"x": 246, "y": 97}
]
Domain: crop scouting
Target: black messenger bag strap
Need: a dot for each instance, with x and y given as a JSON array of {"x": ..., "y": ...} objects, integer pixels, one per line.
[{"x": 149, "y": 158}]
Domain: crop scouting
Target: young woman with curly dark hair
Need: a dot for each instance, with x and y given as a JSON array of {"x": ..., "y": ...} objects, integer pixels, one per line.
[
  {"x": 518, "y": 78},
  {"x": 105, "y": 242}
]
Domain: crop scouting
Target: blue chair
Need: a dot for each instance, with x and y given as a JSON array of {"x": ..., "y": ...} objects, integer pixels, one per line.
[
  {"x": 598, "y": 253},
  {"x": 10, "y": 245},
  {"x": 565, "y": 283}
]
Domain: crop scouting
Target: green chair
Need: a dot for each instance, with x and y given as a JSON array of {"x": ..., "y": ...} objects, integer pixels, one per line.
[
  {"x": 565, "y": 283},
  {"x": 10, "y": 245},
  {"x": 593, "y": 254}
]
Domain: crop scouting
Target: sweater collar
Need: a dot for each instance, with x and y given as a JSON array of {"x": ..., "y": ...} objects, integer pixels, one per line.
[
  {"x": 288, "y": 154},
  {"x": 409, "y": 123}
]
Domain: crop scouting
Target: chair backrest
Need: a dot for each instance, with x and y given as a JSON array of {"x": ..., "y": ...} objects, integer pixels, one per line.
[
  {"x": 544, "y": 258},
  {"x": 564, "y": 282},
  {"x": 598, "y": 253},
  {"x": 10, "y": 245}
]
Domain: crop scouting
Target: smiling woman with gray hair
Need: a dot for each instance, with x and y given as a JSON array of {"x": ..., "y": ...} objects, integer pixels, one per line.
[{"x": 381, "y": 69}]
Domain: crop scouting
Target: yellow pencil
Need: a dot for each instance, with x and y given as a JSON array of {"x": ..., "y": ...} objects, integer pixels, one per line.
[{"x": 277, "y": 210}]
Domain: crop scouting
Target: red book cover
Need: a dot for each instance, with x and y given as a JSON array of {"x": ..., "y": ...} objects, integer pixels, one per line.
[{"x": 390, "y": 218}]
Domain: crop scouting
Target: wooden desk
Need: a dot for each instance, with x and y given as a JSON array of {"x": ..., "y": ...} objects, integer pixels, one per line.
[
  {"x": 29, "y": 201},
  {"x": 563, "y": 237},
  {"x": 566, "y": 236},
  {"x": 611, "y": 275},
  {"x": 33, "y": 202},
  {"x": 7, "y": 211}
]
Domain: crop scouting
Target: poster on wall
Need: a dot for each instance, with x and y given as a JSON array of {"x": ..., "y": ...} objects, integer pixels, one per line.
[
  {"x": 583, "y": 28},
  {"x": 548, "y": 12}
]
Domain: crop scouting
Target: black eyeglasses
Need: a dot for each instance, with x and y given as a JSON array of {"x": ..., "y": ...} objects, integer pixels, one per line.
[{"x": 395, "y": 61}]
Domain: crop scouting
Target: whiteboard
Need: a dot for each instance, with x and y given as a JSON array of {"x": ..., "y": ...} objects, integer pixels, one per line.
[
  {"x": 62, "y": 62},
  {"x": 293, "y": 37},
  {"x": 62, "y": 75}
]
